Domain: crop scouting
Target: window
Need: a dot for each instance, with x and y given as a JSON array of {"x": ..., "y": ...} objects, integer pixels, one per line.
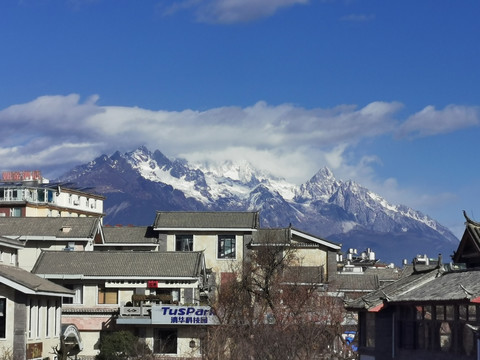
[
  {"x": 34, "y": 319},
  {"x": 78, "y": 296},
  {"x": 165, "y": 341},
  {"x": 48, "y": 319},
  {"x": 39, "y": 318},
  {"x": 370, "y": 330},
  {"x": 107, "y": 296},
  {"x": 58, "y": 313},
  {"x": 3, "y": 317},
  {"x": 184, "y": 243},
  {"x": 15, "y": 212},
  {"x": 226, "y": 247}
]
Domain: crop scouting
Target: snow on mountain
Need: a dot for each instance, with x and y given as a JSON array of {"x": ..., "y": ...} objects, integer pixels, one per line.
[{"x": 339, "y": 210}]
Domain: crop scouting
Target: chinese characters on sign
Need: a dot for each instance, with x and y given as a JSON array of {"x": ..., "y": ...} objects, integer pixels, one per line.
[
  {"x": 21, "y": 175},
  {"x": 183, "y": 315}
]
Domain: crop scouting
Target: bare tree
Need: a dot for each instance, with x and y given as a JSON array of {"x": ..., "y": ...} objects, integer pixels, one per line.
[{"x": 273, "y": 309}]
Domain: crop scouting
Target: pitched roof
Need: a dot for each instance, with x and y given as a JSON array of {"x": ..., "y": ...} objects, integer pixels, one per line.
[
  {"x": 450, "y": 286},
  {"x": 468, "y": 250},
  {"x": 388, "y": 292},
  {"x": 271, "y": 237},
  {"x": 128, "y": 264},
  {"x": 197, "y": 220},
  {"x": 354, "y": 282},
  {"x": 56, "y": 227},
  {"x": 130, "y": 235},
  {"x": 284, "y": 236},
  {"x": 29, "y": 283}
]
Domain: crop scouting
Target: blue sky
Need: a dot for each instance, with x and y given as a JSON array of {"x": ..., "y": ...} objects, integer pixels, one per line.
[{"x": 382, "y": 92}]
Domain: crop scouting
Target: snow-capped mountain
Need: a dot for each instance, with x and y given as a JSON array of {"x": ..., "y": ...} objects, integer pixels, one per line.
[{"x": 138, "y": 183}]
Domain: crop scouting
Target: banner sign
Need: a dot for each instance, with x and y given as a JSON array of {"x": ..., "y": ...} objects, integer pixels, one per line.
[
  {"x": 21, "y": 175},
  {"x": 183, "y": 315}
]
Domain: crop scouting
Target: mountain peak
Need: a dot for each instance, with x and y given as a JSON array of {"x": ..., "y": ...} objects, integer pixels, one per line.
[
  {"x": 324, "y": 173},
  {"x": 320, "y": 187},
  {"x": 139, "y": 182}
]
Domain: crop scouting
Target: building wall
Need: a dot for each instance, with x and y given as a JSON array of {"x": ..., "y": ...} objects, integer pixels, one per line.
[
  {"x": 208, "y": 243},
  {"x": 311, "y": 257},
  {"x": 8, "y": 256}
]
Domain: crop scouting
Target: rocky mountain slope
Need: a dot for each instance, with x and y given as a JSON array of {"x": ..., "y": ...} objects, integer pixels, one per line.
[{"x": 138, "y": 183}]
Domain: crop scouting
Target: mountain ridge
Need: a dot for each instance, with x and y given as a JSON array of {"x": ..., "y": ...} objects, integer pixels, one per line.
[{"x": 140, "y": 182}]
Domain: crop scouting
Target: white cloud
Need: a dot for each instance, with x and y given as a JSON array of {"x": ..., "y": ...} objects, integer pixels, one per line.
[
  {"x": 57, "y": 132},
  {"x": 288, "y": 140},
  {"x": 231, "y": 11},
  {"x": 430, "y": 121}
]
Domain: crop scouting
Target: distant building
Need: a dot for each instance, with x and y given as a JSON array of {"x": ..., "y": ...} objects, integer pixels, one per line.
[
  {"x": 27, "y": 194},
  {"x": 38, "y": 233},
  {"x": 432, "y": 312}
]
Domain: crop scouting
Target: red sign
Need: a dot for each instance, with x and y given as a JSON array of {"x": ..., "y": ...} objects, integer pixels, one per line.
[
  {"x": 152, "y": 284},
  {"x": 21, "y": 175}
]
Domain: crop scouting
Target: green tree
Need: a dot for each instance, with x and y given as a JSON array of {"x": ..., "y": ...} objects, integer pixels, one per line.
[{"x": 120, "y": 345}]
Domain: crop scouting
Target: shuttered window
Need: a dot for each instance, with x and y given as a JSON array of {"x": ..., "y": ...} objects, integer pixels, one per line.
[{"x": 107, "y": 296}]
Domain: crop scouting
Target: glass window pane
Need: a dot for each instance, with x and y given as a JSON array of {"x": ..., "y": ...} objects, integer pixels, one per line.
[
  {"x": 226, "y": 247},
  {"x": 184, "y": 243},
  {"x": 472, "y": 313},
  {"x": 449, "y": 312},
  {"x": 462, "y": 312},
  {"x": 440, "y": 312}
]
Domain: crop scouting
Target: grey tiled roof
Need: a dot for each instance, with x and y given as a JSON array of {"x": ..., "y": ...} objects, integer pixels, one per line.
[
  {"x": 120, "y": 263},
  {"x": 451, "y": 286},
  {"x": 81, "y": 227},
  {"x": 393, "y": 290},
  {"x": 354, "y": 282},
  {"x": 271, "y": 236},
  {"x": 385, "y": 273},
  {"x": 130, "y": 235},
  {"x": 206, "y": 220},
  {"x": 33, "y": 282}
]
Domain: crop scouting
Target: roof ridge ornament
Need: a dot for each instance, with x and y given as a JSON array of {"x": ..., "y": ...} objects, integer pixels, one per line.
[{"x": 470, "y": 221}]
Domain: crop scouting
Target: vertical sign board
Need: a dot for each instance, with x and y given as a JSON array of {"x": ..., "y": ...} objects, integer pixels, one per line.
[
  {"x": 183, "y": 315},
  {"x": 151, "y": 284}
]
